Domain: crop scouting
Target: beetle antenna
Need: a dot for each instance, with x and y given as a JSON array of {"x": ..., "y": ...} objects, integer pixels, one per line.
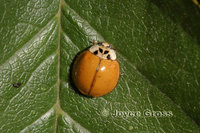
[
  {"x": 115, "y": 49},
  {"x": 94, "y": 42}
]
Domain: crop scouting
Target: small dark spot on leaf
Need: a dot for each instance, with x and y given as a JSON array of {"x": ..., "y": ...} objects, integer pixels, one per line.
[{"x": 16, "y": 85}]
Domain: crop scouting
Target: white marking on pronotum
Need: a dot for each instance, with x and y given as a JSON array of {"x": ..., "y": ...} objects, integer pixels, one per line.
[{"x": 103, "y": 50}]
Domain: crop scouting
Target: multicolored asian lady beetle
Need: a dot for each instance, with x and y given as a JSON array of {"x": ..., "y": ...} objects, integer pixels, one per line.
[{"x": 96, "y": 70}]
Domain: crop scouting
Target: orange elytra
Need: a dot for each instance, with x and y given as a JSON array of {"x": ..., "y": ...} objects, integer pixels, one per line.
[{"x": 96, "y": 70}]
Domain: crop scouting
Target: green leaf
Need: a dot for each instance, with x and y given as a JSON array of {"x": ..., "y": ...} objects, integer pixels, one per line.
[{"x": 158, "y": 50}]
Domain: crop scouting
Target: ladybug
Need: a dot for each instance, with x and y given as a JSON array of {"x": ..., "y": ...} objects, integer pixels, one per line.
[{"x": 96, "y": 70}]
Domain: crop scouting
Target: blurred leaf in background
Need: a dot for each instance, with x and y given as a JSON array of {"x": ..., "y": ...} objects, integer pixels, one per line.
[{"x": 158, "y": 49}]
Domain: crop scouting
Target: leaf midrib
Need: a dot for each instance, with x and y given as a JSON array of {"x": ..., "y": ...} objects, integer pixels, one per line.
[{"x": 58, "y": 68}]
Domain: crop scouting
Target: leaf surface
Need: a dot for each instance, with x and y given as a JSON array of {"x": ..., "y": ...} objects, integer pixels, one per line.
[{"x": 158, "y": 51}]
